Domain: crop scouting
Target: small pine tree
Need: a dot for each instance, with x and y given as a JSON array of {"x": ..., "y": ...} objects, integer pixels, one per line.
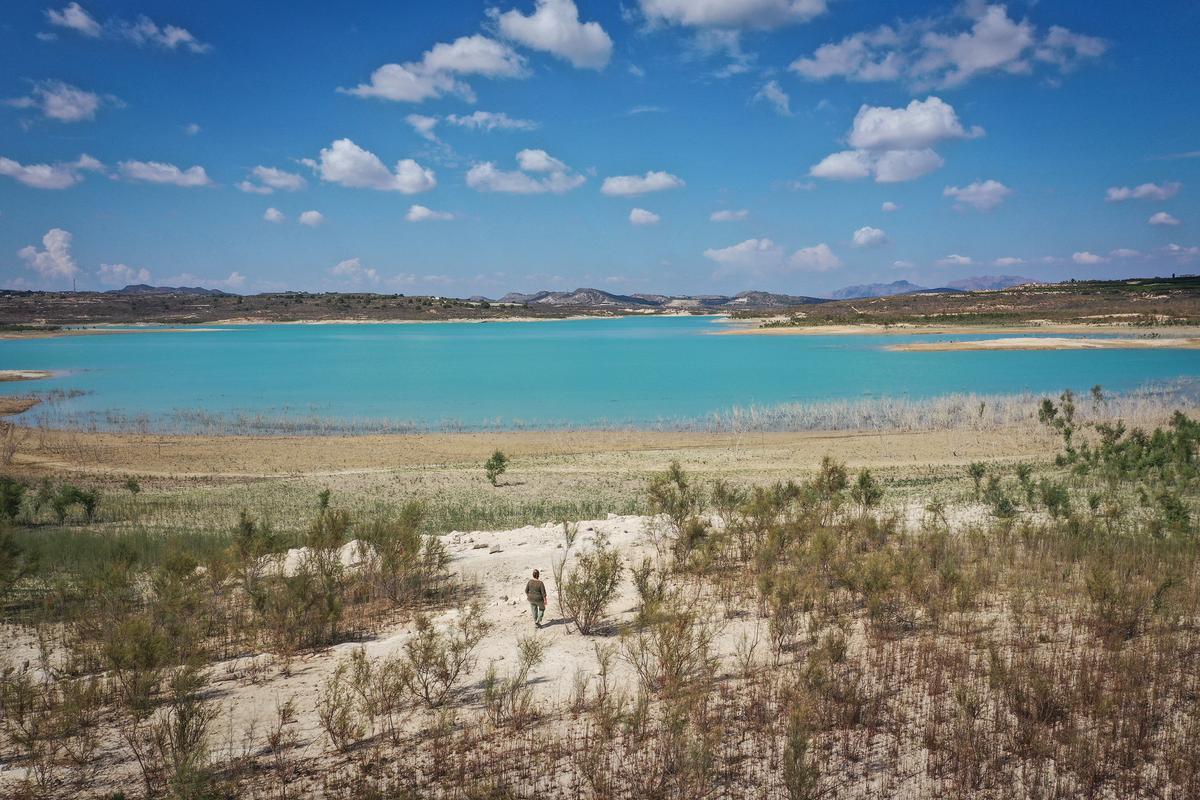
[{"x": 495, "y": 467}]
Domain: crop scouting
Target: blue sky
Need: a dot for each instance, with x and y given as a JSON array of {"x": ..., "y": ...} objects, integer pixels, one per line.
[{"x": 482, "y": 147}]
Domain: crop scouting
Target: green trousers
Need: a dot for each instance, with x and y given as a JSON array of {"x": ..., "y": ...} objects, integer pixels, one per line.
[{"x": 537, "y": 609}]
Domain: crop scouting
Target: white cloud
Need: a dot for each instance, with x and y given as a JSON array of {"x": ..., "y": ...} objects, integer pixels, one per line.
[
  {"x": 955, "y": 260},
  {"x": 491, "y": 121},
  {"x": 122, "y": 275},
  {"x": 640, "y": 216},
  {"x": 848, "y": 165},
  {"x": 1008, "y": 261},
  {"x": 901, "y": 264},
  {"x": 774, "y": 94},
  {"x": 980, "y": 195},
  {"x": 347, "y": 164},
  {"x": 142, "y": 31},
  {"x": 273, "y": 215},
  {"x": 895, "y": 166},
  {"x": 626, "y": 185},
  {"x": 1146, "y": 191},
  {"x": 554, "y": 27},
  {"x": 549, "y": 175},
  {"x": 311, "y": 218},
  {"x": 922, "y": 123},
  {"x": 1124, "y": 252},
  {"x": 352, "y": 272},
  {"x": 729, "y": 215},
  {"x": 55, "y": 261},
  {"x": 424, "y": 125},
  {"x": 869, "y": 237},
  {"x": 436, "y": 73},
  {"x": 539, "y": 161},
  {"x": 1085, "y": 257},
  {"x": 418, "y": 213},
  {"x": 732, "y": 13},
  {"x": 758, "y": 256},
  {"x": 192, "y": 128},
  {"x": 62, "y": 102},
  {"x": 888, "y": 206},
  {"x": 1163, "y": 218},
  {"x": 895, "y": 144},
  {"x": 49, "y": 176},
  {"x": 818, "y": 258},
  {"x": 265, "y": 180},
  {"x": 940, "y": 51},
  {"x": 75, "y": 18},
  {"x": 159, "y": 172},
  {"x": 1181, "y": 252}
]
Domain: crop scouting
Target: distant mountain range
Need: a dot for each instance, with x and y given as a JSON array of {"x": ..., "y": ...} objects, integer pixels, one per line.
[
  {"x": 144, "y": 289},
  {"x": 977, "y": 283},
  {"x": 598, "y": 298}
]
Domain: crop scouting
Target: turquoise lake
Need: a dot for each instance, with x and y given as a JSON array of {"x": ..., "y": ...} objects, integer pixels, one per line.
[{"x": 571, "y": 373}]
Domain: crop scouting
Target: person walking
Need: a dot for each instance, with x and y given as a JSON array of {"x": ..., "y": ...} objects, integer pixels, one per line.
[{"x": 535, "y": 592}]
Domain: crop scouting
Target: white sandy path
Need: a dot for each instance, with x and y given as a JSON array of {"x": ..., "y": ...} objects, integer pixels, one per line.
[
  {"x": 1051, "y": 343},
  {"x": 499, "y": 563}
]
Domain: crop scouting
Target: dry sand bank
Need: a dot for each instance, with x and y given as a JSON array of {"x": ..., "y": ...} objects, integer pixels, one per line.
[
  {"x": 1049, "y": 343},
  {"x": 906, "y": 329},
  {"x": 16, "y": 404},
  {"x": 562, "y": 451},
  {"x": 99, "y": 330},
  {"x": 7, "y": 375}
]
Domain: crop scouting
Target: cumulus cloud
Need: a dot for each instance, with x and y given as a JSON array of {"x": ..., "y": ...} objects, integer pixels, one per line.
[
  {"x": 980, "y": 195},
  {"x": 729, "y": 215},
  {"x": 142, "y": 31},
  {"x": 888, "y": 206},
  {"x": 554, "y": 27},
  {"x": 50, "y": 176},
  {"x": 265, "y": 180},
  {"x": 895, "y": 144},
  {"x": 869, "y": 237},
  {"x": 347, "y": 164},
  {"x": 626, "y": 185},
  {"x": 418, "y": 213},
  {"x": 729, "y": 14},
  {"x": 950, "y": 50},
  {"x": 311, "y": 218},
  {"x": 955, "y": 260},
  {"x": 760, "y": 256},
  {"x": 62, "y": 102},
  {"x": 1163, "y": 218},
  {"x": 192, "y": 128},
  {"x": 352, "y": 272},
  {"x": 1008, "y": 261},
  {"x": 1124, "y": 252},
  {"x": 920, "y": 124},
  {"x": 774, "y": 94},
  {"x": 1085, "y": 257},
  {"x": 438, "y": 71},
  {"x": 233, "y": 282},
  {"x": 539, "y": 173},
  {"x": 902, "y": 264},
  {"x": 55, "y": 261},
  {"x": 159, "y": 172},
  {"x": 1146, "y": 191},
  {"x": 640, "y": 216},
  {"x": 122, "y": 275},
  {"x": 273, "y": 215}
]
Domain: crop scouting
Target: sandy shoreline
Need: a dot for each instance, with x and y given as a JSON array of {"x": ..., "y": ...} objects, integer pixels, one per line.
[
  {"x": 868, "y": 329},
  {"x": 9, "y": 375},
  {"x": 266, "y": 456},
  {"x": 1047, "y": 343}
]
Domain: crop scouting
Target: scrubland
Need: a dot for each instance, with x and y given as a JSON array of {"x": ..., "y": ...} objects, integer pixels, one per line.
[{"x": 978, "y": 610}]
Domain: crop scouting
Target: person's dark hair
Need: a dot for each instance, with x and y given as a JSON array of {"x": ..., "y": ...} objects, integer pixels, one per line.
[{"x": 535, "y": 573}]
